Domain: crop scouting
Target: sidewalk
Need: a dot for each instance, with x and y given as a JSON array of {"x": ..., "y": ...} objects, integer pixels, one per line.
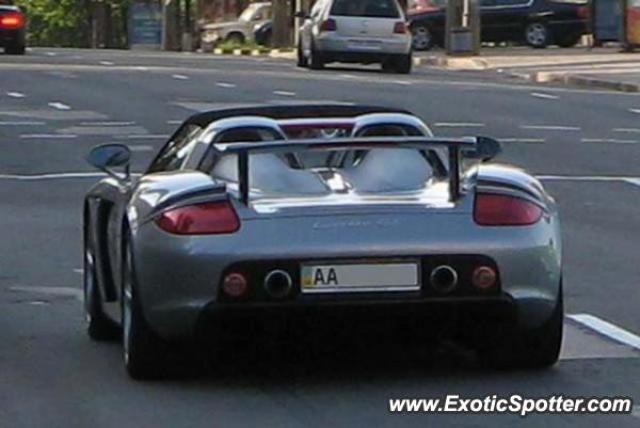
[{"x": 605, "y": 68}]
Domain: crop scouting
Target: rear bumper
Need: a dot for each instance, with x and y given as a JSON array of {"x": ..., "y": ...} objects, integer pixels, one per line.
[
  {"x": 11, "y": 37},
  {"x": 333, "y": 48},
  {"x": 358, "y": 57}
]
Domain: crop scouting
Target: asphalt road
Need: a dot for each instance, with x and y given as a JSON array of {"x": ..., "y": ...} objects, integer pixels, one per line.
[{"x": 57, "y": 104}]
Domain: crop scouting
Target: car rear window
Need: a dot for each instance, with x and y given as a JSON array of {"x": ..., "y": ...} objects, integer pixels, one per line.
[{"x": 366, "y": 8}]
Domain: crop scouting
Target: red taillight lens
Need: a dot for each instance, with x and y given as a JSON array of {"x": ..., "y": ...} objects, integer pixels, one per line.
[
  {"x": 484, "y": 277},
  {"x": 584, "y": 12},
  {"x": 328, "y": 25},
  {"x": 201, "y": 219},
  {"x": 400, "y": 28},
  {"x": 502, "y": 210},
  {"x": 234, "y": 285},
  {"x": 12, "y": 20}
]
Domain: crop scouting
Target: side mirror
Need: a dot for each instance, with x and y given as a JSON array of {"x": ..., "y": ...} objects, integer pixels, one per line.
[
  {"x": 107, "y": 157},
  {"x": 486, "y": 149},
  {"x": 301, "y": 14}
]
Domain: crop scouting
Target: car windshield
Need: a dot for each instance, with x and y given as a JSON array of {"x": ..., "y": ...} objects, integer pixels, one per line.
[
  {"x": 248, "y": 14},
  {"x": 366, "y": 8}
]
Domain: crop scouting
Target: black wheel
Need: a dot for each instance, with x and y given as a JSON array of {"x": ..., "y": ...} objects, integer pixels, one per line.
[
  {"x": 537, "y": 348},
  {"x": 236, "y": 38},
  {"x": 143, "y": 351},
  {"x": 569, "y": 41},
  {"x": 315, "y": 62},
  {"x": 302, "y": 60},
  {"x": 403, "y": 64},
  {"x": 99, "y": 327},
  {"x": 422, "y": 38},
  {"x": 536, "y": 34},
  {"x": 16, "y": 48}
]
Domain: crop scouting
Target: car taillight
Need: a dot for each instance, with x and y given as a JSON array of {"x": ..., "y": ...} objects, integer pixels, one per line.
[
  {"x": 502, "y": 210},
  {"x": 400, "y": 28},
  {"x": 12, "y": 20},
  {"x": 328, "y": 25},
  {"x": 584, "y": 12},
  {"x": 201, "y": 219}
]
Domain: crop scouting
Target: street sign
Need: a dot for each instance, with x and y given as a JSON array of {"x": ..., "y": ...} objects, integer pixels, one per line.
[{"x": 145, "y": 29}]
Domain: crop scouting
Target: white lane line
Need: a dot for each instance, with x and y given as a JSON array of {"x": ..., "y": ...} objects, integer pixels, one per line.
[
  {"x": 608, "y": 140},
  {"x": 48, "y": 136},
  {"x": 634, "y": 181},
  {"x": 402, "y": 82},
  {"x": 107, "y": 123},
  {"x": 180, "y": 77},
  {"x": 521, "y": 140},
  {"x": 551, "y": 127},
  {"x": 458, "y": 125},
  {"x": 348, "y": 76},
  {"x": 107, "y": 63},
  {"x": 635, "y": 110},
  {"x": 628, "y": 130},
  {"x": 50, "y": 54},
  {"x": 76, "y": 293},
  {"x": 225, "y": 85},
  {"x": 606, "y": 328},
  {"x": 544, "y": 96},
  {"x": 15, "y": 94},
  {"x": 59, "y": 106},
  {"x": 147, "y": 136},
  {"x": 629, "y": 180},
  {"x": 56, "y": 176},
  {"x": 80, "y": 270},
  {"x": 141, "y": 148},
  {"x": 21, "y": 123},
  {"x": 284, "y": 93},
  {"x": 174, "y": 122}
]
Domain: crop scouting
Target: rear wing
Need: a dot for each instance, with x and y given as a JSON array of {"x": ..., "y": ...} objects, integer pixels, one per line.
[{"x": 454, "y": 145}]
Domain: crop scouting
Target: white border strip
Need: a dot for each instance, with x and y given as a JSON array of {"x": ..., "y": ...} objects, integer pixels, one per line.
[{"x": 606, "y": 328}]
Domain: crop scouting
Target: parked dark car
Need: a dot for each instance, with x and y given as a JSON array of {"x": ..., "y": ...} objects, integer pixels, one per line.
[
  {"x": 262, "y": 33},
  {"x": 12, "y": 28},
  {"x": 538, "y": 23}
]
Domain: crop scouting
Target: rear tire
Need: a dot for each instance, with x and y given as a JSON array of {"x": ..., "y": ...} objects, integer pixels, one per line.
[
  {"x": 17, "y": 48},
  {"x": 99, "y": 327},
  {"x": 422, "y": 38},
  {"x": 302, "y": 60},
  {"x": 536, "y": 34},
  {"x": 403, "y": 64},
  {"x": 315, "y": 62},
  {"x": 143, "y": 351},
  {"x": 535, "y": 348}
]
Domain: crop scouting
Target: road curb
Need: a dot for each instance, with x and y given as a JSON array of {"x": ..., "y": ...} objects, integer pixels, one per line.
[
  {"x": 583, "y": 81},
  {"x": 274, "y": 53},
  {"x": 455, "y": 63}
]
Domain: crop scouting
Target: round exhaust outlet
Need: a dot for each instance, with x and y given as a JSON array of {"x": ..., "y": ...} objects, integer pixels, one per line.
[
  {"x": 444, "y": 279},
  {"x": 278, "y": 284}
]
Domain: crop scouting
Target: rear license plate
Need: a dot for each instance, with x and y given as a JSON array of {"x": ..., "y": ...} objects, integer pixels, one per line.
[
  {"x": 364, "y": 44},
  {"x": 382, "y": 276}
]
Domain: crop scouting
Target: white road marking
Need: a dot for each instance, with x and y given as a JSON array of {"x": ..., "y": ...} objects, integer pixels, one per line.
[
  {"x": 284, "y": 93},
  {"x": 458, "y": 125},
  {"x": 629, "y": 180},
  {"x": 141, "y": 148},
  {"x": 147, "y": 136},
  {"x": 59, "y": 106},
  {"x": 50, "y": 54},
  {"x": 403, "y": 82},
  {"x": 551, "y": 127},
  {"x": 15, "y": 94},
  {"x": 634, "y": 181},
  {"x": 76, "y": 293},
  {"x": 48, "y": 136},
  {"x": 225, "y": 85},
  {"x": 606, "y": 328},
  {"x": 348, "y": 76},
  {"x": 174, "y": 122},
  {"x": 107, "y": 63},
  {"x": 635, "y": 110},
  {"x": 21, "y": 123},
  {"x": 56, "y": 176},
  {"x": 180, "y": 77},
  {"x": 607, "y": 140},
  {"x": 521, "y": 140},
  {"x": 107, "y": 123},
  {"x": 544, "y": 96},
  {"x": 79, "y": 270},
  {"x": 629, "y": 130}
]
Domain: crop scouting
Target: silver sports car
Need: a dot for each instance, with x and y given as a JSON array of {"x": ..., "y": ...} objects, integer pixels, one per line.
[{"x": 337, "y": 212}]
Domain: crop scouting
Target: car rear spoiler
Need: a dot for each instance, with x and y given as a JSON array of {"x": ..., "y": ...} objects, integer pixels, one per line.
[{"x": 454, "y": 145}]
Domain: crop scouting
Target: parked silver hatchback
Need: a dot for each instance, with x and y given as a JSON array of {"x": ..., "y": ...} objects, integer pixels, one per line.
[{"x": 356, "y": 31}]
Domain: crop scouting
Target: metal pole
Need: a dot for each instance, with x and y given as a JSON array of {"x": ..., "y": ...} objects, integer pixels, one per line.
[{"x": 243, "y": 176}]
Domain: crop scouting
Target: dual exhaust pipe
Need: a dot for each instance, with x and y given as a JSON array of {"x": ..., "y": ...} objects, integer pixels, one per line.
[{"x": 278, "y": 284}]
